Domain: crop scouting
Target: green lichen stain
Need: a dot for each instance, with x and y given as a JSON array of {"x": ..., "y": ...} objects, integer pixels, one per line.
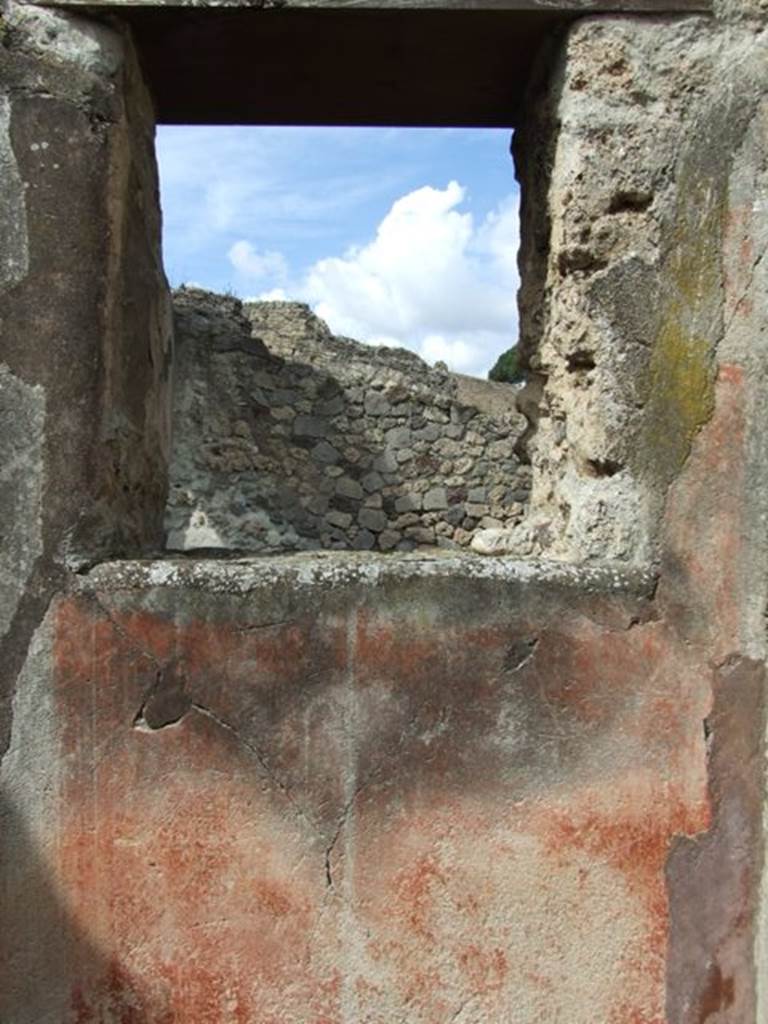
[
  {"x": 682, "y": 382},
  {"x": 682, "y": 366}
]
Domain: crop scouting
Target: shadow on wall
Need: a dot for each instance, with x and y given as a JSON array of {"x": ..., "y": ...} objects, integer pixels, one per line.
[
  {"x": 51, "y": 972},
  {"x": 303, "y": 440}
]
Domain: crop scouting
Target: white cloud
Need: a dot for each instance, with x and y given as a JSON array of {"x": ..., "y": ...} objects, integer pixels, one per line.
[
  {"x": 430, "y": 280},
  {"x": 499, "y": 235},
  {"x": 457, "y": 353},
  {"x": 221, "y": 183},
  {"x": 272, "y": 295},
  {"x": 247, "y": 261}
]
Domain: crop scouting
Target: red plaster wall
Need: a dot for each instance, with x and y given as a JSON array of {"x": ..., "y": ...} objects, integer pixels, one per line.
[{"x": 366, "y": 814}]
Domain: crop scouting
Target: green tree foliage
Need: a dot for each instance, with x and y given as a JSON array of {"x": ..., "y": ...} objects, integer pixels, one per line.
[{"x": 506, "y": 369}]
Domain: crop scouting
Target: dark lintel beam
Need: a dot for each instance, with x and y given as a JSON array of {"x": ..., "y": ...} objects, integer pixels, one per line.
[
  {"x": 305, "y": 62},
  {"x": 571, "y": 8}
]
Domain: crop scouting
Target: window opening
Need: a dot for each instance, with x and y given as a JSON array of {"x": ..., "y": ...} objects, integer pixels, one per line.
[{"x": 340, "y": 296}]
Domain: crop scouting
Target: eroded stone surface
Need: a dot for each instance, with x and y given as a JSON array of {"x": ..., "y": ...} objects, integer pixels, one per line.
[
  {"x": 621, "y": 305},
  {"x": 61, "y": 38},
  {"x": 84, "y": 316},
  {"x": 14, "y": 258},
  {"x": 22, "y": 422}
]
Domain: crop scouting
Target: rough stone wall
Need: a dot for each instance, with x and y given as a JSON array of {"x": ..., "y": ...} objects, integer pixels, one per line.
[
  {"x": 620, "y": 312},
  {"x": 294, "y": 439},
  {"x": 84, "y": 315}
]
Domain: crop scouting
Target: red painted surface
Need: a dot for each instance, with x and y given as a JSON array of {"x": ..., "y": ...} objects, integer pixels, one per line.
[
  {"x": 707, "y": 593},
  {"x": 473, "y": 815},
  {"x": 383, "y": 808}
]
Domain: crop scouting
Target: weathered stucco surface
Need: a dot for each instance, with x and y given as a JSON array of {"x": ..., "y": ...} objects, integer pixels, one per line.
[
  {"x": 84, "y": 314},
  {"x": 625, "y": 160},
  {"x": 22, "y": 416},
  {"x": 387, "y": 791},
  {"x": 346, "y": 787},
  {"x": 13, "y": 212}
]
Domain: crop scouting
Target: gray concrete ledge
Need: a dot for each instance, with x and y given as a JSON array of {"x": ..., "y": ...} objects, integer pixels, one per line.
[{"x": 333, "y": 569}]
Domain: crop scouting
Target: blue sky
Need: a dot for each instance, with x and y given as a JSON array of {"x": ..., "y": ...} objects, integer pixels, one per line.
[{"x": 395, "y": 235}]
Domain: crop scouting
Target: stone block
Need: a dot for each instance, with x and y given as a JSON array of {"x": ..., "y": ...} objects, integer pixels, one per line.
[
  {"x": 364, "y": 540},
  {"x": 310, "y": 426},
  {"x": 385, "y": 463},
  {"x": 490, "y": 523},
  {"x": 435, "y": 499},
  {"x": 407, "y": 519},
  {"x": 429, "y": 432},
  {"x": 372, "y": 519},
  {"x": 324, "y": 453},
  {"x": 283, "y": 412},
  {"x": 453, "y": 515},
  {"x": 389, "y": 539},
  {"x": 333, "y": 407},
  {"x": 346, "y": 487},
  {"x": 372, "y": 482},
  {"x": 398, "y": 437},
  {"x": 317, "y": 504},
  {"x": 420, "y": 534},
  {"x": 334, "y": 517},
  {"x": 376, "y": 404},
  {"x": 410, "y": 502}
]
